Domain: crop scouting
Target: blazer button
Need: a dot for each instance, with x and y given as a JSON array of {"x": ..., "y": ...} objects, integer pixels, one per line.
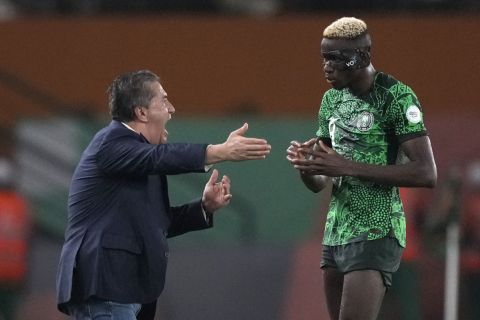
[
  {"x": 165, "y": 233},
  {"x": 167, "y": 254}
]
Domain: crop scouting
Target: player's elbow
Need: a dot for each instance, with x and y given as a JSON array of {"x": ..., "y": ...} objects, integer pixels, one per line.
[
  {"x": 431, "y": 182},
  {"x": 314, "y": 183},
  {"x": 314, "y": 189},
  {"x": 429, "y": 177}
]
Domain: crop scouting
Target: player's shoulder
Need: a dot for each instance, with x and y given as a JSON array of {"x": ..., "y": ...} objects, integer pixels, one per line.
[
  {"x": 331, "y": 95},
  {"x": 385, "y": 80},
  {"x": 392, "y": 85}
]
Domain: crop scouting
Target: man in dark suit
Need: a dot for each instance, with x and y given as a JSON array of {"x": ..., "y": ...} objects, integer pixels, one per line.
[{"x": 115, "y": 254}]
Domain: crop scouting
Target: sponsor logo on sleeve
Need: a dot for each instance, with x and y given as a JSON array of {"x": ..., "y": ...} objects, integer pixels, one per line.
[{"x": 414, "y": 115}]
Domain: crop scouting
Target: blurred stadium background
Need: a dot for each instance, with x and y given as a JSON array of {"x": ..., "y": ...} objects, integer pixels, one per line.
[{"x": 223, "y": 63}]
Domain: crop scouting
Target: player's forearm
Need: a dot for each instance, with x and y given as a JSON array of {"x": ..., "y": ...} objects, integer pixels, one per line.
[{"x": 411, "y": 174}]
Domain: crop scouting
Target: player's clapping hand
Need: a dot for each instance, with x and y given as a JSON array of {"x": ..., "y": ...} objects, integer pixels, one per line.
[
  {"x": 294, "y": 151},
  {"x": 321, "y": 160},
  {"x": 216, "y": 194}
]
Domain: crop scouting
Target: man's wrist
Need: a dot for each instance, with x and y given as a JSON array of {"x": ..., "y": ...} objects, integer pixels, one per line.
[
  {"x": 215, "y": 153},
  {"x": 207, "y": 215},
  {"x": 205, "y": 207}
]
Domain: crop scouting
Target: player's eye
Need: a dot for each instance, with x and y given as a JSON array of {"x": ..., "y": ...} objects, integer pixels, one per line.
[{"x": 333, "y": 58}]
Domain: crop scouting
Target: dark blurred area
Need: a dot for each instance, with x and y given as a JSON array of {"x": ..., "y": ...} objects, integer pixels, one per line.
[{"x": 243, "y": 7}]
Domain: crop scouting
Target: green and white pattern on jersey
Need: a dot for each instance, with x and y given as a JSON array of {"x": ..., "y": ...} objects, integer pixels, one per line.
[{"x": 368, "y": 129}]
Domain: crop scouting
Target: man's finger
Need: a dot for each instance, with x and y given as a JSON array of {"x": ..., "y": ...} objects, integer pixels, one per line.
[
  {"x": 258, "y": 153},
  {"x": 255, "y": 141},
  {"x": 295, "y": 143},
  {"x": 291, "y": 159},
  {"x": 292, "y": 153},
  {"x": 226, "y": 179},
  {"x": 309, "y": 143},
  {"x": 319, "y": 153},
  {"x": 324, "y": 147},
  {"x": 213, "y": 177},
  {"x": 226, "y": 185}
]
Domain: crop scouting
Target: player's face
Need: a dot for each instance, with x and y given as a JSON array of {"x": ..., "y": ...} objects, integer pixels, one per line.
[
  {"x": 335, "y": 61},
  {"x": 159, "y": 111}
]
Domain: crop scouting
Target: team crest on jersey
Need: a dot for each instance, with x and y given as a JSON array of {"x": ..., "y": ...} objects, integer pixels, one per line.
[
  {"x": 413, "y": 114},
  {"x": 364, "y": 121}
]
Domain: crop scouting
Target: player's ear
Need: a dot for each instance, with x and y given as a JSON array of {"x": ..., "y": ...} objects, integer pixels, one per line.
[{"x": 364, "y": 56}]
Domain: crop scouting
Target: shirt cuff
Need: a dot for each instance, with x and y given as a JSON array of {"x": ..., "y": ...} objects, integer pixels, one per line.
[
  {"x": 208, "y": 166},
  {"x": 206, "y": 215}
]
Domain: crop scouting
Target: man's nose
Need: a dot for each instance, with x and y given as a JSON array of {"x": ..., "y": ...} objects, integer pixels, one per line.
[{"x": 171, "y": 108}]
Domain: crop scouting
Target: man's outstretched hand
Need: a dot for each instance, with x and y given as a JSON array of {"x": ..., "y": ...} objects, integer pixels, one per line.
[{"x": 237, "y": 147}]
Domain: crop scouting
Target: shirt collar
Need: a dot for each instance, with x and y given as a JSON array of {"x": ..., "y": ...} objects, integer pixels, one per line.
[
  {"x": 128, "y": 127},
  {"x": 139, "y": 133}
]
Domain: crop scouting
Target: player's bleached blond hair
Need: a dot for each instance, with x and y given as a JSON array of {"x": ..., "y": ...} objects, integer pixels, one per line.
[{"x": 345, "y": 28}]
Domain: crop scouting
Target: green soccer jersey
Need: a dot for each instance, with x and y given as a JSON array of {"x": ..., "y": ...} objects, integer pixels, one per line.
[{"x": 368, "y": 129}]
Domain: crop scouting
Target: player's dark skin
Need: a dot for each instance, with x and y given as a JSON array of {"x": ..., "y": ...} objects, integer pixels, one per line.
[{"x": 358, "y": 294}]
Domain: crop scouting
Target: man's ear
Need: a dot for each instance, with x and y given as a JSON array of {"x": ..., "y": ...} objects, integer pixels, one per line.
[
  {"x": 364, "y": 56},
  {"x": 140, "y": 113}
]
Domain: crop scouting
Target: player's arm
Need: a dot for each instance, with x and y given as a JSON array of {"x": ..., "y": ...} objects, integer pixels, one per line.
[
  {"x": 404, "y": 114},
  {"x": 419, "y": 171}
]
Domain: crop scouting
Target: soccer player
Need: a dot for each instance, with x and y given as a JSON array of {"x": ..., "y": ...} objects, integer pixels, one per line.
[{"x": 371, "y": 140}]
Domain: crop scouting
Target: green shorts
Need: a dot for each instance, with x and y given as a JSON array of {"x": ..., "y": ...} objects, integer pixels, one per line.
[{"x": 383, "y": 255}]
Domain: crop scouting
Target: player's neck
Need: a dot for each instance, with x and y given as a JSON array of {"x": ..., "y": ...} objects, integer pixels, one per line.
[{"x": 364, "y": 81}]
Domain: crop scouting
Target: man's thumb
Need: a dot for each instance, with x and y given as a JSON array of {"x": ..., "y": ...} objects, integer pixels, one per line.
[
  {"x": 324, "y": 147},
  {"x": 242, "y": 130},
  {"x": 213, "y": 177}
]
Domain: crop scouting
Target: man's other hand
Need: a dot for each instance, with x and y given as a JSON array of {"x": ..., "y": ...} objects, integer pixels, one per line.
[{"x": 216, "y": 195}]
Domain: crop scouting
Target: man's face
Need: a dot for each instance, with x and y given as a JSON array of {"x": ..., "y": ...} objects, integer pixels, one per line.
[
  {"x": 159, "y": 111},
  {"x": 338, "y": 57}
]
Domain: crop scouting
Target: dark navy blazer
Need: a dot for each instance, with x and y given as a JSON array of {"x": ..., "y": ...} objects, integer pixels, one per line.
[{"x": 119, "y": 217}]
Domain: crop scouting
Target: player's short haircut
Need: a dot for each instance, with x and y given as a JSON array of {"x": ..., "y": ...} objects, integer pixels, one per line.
[
  {"x": 346, "y": 28},
  {"x": 128, "y": 91}
]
